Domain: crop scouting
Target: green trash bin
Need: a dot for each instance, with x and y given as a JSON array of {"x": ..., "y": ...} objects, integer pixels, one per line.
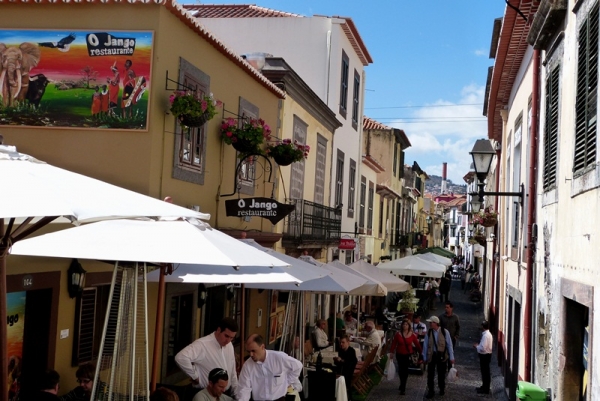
[{"x": 530, "y": 392}]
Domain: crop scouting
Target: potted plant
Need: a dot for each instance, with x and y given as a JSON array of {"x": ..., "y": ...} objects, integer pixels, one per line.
[
  {"x": 285, "y": 152},
  {"x": 409, "y": 303},
  {"x": 486, "y": 218},
  {"x": 248, "y": 137},
  {"x": 192, "y": 110}
]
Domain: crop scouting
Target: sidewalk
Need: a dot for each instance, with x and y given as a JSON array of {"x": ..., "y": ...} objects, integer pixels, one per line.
[{"x": 467, "y": 361}]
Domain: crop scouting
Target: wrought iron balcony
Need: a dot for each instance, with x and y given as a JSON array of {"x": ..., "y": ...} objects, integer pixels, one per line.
[{"x": 312, "y": 223}]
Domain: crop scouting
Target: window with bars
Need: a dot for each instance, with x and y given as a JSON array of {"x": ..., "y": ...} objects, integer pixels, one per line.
[
  {"x": 352, "y": 189},
  {"x": 344, "y": 84},
  {"x": 363, "y": 202},
  {"x": 247, "y": 171},
  {"x": 297, "y": 169},
  {"x": 586, "y": 99},
  {"x": 339, "y": 179},
  {"x": 370, "y": 211},
  {"x": 355, "y": 100}
]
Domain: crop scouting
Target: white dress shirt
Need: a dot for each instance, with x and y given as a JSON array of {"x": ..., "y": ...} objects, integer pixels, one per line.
[
  {"x": 321, "y": 338},
  {"x": 486, "y": 343},
  {"x": 204, "y": 355},
  {"x": 270, "y": 379}
]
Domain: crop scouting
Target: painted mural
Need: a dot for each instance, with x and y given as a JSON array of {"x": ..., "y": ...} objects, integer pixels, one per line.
[{"x": 78, "y": 79}]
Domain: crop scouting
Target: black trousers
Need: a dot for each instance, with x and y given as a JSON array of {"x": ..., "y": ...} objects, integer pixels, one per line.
[
  {"x": 402, "y": 369},
  {"x": 438, "y": 364},
  {"x": 484, "y": 364}
]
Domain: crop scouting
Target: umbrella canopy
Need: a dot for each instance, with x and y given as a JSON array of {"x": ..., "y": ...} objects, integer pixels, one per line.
[
  {"x": 433, "y": 257},
  {"x": 391, "y": 282},
  {"x": 164, "y": 241},
  {"x": 413, "y": 266},
  {"x": 370, "y": 287},
  {"x": 332, "y": 280},
  {"x": 26, "y": 181},
  {"x": 187, "y": 273},
  {"x": 438, "y": 251}
]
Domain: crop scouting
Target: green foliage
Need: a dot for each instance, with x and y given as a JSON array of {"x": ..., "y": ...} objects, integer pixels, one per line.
[
  {"x": 253, "y": 131},
  {"x": 286, "y": 149},
  {"x": 194, "y": 106}
]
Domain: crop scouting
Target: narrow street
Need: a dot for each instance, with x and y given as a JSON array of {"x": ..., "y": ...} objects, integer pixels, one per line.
[{"x": 467, "y": 361}]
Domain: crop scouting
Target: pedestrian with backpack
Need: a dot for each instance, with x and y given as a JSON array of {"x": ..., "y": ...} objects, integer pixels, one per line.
[{"x": 437, "y": 350}]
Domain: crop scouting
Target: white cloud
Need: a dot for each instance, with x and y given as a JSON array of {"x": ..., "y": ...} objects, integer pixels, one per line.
[
  {"x": 446, "y": 134},
  {"x": 480, "y": 52}
]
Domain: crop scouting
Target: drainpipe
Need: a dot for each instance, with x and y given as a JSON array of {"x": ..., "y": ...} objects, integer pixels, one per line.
[
  {"x": 531, "y": 212},
  {"x": 493, "y": 305}
]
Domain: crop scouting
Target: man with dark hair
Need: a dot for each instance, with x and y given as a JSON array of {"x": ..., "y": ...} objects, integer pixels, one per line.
[
  {"x": 450, "y": 322},
  {"x": 217, "y": 382},
  {"x": 49, "y": 384},
  {"x": 209, "y": 352},
  {"x": 484, "y": 349},
  {"x": 267, "y": 375},
  {"x": 346, "y": 361},
  {"x": 85, "y": 378}
]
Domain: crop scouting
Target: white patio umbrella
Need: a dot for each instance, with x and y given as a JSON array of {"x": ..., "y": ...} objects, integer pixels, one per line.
[
  {"x": 34, "y": 193},
  {"x": 413, "y": 266},
  {"x": 370, "y": 287},
  {"x": 188, "y": 273},
  {"x": 157, "y": 241},
  {"x": 391, "y": 282},
  {"x": 432, "y": 257}
]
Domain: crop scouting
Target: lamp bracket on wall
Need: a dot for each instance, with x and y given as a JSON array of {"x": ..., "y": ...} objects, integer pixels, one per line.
[
  {"x": 178, "y": 85},
  {"x": 481, "y": 193},
  {"x": 243, "y": 158}
]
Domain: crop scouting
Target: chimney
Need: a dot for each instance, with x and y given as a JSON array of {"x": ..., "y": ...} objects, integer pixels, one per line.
[{"x": 444, "y": 176}]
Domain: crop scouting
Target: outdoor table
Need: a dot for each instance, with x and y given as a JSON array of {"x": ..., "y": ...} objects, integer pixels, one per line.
[{"x": 340, "y": 386}]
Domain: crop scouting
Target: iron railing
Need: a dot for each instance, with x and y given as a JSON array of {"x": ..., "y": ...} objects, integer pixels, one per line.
[{"x": 312, "y": 223}]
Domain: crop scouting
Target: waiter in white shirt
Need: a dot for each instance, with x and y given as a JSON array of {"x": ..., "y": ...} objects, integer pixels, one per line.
[
  {"x": 484, "y": 349},
  {"x": 267, "y": 374},
  {"x": 209, "y": 352}
]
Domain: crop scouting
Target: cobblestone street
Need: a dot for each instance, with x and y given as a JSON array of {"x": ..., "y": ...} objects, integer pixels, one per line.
[{"x": 467, "y": 361}]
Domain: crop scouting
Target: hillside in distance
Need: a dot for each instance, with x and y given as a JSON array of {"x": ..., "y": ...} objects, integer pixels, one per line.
[{"x": 434, "y": 186}]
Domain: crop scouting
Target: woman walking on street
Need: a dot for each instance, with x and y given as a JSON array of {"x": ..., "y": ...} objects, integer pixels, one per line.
[{"x": 403, "y": 345}]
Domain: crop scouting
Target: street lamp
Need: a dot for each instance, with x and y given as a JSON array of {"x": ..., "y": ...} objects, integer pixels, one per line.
[
  {"x": 76, "y": 275},
  {"x": 482, "y": 154},
  {"x": 471, "y": 226}
]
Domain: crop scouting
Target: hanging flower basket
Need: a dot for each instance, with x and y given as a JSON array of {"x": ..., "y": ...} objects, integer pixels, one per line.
[
  {"x": 486, "y": 218},
  {"x": 248, "y": 137},
  {"x": 191, "y": 109},
  {"x": 285, "y": 152},
  {"x": 481, "y": 239}
]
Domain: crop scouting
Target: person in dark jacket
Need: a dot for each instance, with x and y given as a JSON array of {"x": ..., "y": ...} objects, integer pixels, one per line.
[
  {"x": 85, "y": 378},
  {"x": 49, "y": 384},
  {"x": 450, "y": 322},
  {"x": 346, "y": 361}
]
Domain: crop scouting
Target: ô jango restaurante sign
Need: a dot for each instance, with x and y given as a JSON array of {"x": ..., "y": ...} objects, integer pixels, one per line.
[{"x": 266, "y": 208}]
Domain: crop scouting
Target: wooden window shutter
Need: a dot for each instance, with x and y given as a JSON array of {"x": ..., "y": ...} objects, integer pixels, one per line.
[
  {"x": 85, "y": 319},
  {"x": 551, "y": 129},
  {"x": 586, "y": 98}
]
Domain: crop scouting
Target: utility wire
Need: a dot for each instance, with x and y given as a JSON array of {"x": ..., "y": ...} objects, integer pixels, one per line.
[{"x": 424, "y": 107}]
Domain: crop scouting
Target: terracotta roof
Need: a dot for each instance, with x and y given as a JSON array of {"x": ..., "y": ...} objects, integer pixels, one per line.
[
  {"x": 180, "y": 12},
  {"x": 253, "y": 11},
  {"x": 235, "y": 11},
  {"x": 369, "y": 123},
  {"x": 510, "y": 52}
]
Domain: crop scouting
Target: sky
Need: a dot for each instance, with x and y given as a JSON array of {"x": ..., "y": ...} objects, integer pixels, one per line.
[{"x": 430, "y": 63}]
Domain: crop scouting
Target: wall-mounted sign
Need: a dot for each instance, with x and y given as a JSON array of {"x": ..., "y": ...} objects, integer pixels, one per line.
[
  {"x": 266, "y": 208},
  {"x": 75, "y": 79},
  {"x": 347, "y": 243}
]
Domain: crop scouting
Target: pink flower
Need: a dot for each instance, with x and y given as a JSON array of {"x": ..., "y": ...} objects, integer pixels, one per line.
[
  {"x": 219, "y": 103},
  {"x": 203, "y": 105},
  {"x": 229, "y": 134},
  {"x": 171, "y": 99}
]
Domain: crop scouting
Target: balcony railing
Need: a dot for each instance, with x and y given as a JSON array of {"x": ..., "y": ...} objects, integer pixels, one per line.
[{"x": 312, "y": 223}]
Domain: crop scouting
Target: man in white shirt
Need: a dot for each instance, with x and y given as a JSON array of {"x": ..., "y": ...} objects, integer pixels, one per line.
[
  {"x": 484, "y": 349},
  {"x": 373, "y": 339},
  {"x": 209, "y": 352},
  {"x": 320, "y": 333},
  {"x": 267, "y": 374},
  {"x": 217, "y": 382}
]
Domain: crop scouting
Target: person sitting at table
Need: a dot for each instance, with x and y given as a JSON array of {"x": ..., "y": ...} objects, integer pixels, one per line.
[
  {"x": 372, "y": 340},
  {"x": 350, "y": 323},
  {"x": 320, "y": 335},
  {"x": 339, "y": 324},
  {"x": 354, "y": 311},
  {"x": 346, "y": 362}
]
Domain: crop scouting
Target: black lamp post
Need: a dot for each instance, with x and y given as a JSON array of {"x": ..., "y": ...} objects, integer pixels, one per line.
[
  {"x": 76, "y": 276},
  {"x": 482, "y": 154}
]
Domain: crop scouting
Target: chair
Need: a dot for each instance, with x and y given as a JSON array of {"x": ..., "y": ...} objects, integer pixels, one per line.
[{"x": 308, "y": 348}]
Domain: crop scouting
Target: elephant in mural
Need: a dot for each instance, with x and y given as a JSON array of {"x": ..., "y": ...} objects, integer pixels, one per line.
[{"x": 15, "y": 64}]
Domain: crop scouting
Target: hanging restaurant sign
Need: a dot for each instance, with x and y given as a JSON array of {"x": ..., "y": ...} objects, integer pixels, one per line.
[
  {"x": 347, "y": 243},
  {"x": 266, "y": 208}
]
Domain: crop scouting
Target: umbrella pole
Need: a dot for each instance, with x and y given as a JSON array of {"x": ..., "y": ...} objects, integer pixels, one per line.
[
  {"x": 3, "y": 329},
  {"x": 243, "y": 327},
  {"x": 158, "y": 338}
]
